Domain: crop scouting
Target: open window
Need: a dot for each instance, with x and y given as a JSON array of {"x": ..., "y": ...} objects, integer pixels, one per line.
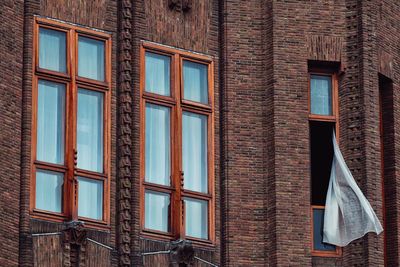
[
  {"x": 387, "y": 163},
  {"x": 323, "y": 114}
]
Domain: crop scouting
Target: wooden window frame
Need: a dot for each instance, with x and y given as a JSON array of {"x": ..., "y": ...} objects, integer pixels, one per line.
[
  {"x": 72, "y": 83},
  {"x": 334, "y": 118},
  {"x": 177, "y": 106},
  {"x": 321, "y": 253}
]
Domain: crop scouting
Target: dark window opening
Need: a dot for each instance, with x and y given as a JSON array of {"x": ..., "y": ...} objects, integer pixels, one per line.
[
  {"x": 321, "y": 159},
  {"x": 388, "y": 176}
]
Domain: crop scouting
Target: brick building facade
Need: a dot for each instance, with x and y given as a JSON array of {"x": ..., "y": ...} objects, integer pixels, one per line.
[{"x": 261, "y": 54}]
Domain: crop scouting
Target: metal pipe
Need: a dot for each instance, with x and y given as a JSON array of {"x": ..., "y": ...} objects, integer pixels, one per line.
[
  {"x": 45, "y": 234},
  {"x": 100, "y": 244},
  {"x": 156, "y": 252},
  {"x": 204, "y": 261}
]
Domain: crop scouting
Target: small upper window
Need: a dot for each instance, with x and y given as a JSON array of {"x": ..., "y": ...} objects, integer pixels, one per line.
[
  {"x": 91, "y": 58},
  {"x": 158, "y": 71},
  {"x": 195, "y": 82},
  {"x": 52, "y": 50},
  {"x": 321, "y": 95}
]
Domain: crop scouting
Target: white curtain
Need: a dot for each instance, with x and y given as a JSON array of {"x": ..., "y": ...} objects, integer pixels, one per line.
[
  {"x": 90, "y": 130},
  {"x": 50, "y": 122},
  {"x": 90, "y": 198},
  {"x": 348, "y": 214},
  {"x": 321, "y": 95},
  {"x": 196, "y": 216},
  {"x": 52, "y": 52},
  {"x": 157, "y": 211},
  {"x": 157, "y": 155},
  {"x": 49, "y": 190},
  {"x": 195, "y": 81},
  {"x": 158, "y": 74},
  {"x": 194, "y": 151},
  {"x": 91, "y": 58}
]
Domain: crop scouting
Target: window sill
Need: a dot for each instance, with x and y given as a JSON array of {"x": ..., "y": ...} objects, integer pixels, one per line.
[
  {"x": 156, "y": 236},
  {"x": 60, "y": 218},
  {"x": 327, "y": 254}
]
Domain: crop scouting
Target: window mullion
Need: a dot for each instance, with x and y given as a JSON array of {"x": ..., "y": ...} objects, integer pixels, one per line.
[
  {"x": 72, "y": 114},
  {"x": 178, "y": 217}
]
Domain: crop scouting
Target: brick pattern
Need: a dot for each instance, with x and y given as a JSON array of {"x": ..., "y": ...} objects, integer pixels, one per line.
[
  {"x": 292, "y": 23},
  {"x": 324, "y": 48},
  {"x": 11, "y": 47},
  {"x": 164, "y": 24},
  {"x": 372, "y": 185},
  {"x": 387, "y": 36},
  {"x": 124, "y": 134},
  {"x": 48, "y": 251},
  {"x": 203, "y": 41},
  {"x": 108, "y": 22},
  {"x": 89, "y": 13},
  {"x": 261, "y": 50},
  {"x": 243, "y": 135}
]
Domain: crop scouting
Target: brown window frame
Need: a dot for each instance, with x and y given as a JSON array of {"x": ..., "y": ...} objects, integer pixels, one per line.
[
  {"x": 72, "y": 82},
  {"x": 324, "y": 118},
  {"x": 177, "y": 105}
]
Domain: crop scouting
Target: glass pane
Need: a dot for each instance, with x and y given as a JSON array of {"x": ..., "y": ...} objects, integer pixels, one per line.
[
  {"x": 90, "y": 197},
  {"x": 50, "y": 122},
  {"x": 90, "y": 130},
  {"x": 195, "y": 80},
  {"x": 52, "y": 50},
  {"x": 157, "y": 144},
  {"x": 318, "y": 227},
  {"x": 157, "y": 211},
  {"x": 158, "y": 74},
  {"x": 91, "y": 58},
  {"x": 194, "y": 149},
  {"x": 196, "y": 218},
  {"x": 321, "y": 95},
  {"x": 49, "y": 188}
]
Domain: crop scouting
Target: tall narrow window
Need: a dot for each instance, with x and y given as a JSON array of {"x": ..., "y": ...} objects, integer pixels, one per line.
[
  {"x": 177, "y": 172},
  {"x": 323, "y": 120},
  {"x": 71, "y": 98},
  {"x": 386, "y": 109}
]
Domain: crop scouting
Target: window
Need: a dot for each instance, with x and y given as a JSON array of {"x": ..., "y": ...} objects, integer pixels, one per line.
[
  {"x": 323, "y": 120},
  {"x": 386, "y": 114},
  {"x": 177, "y": 188},
  {"x": 70, "y": 123}
]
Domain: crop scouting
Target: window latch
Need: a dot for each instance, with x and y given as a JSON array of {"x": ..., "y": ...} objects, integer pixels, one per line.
[{"x": 182, "y": 178}]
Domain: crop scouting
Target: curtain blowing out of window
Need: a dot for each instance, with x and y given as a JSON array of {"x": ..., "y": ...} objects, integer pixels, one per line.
[{"x": 348, "y": 214}]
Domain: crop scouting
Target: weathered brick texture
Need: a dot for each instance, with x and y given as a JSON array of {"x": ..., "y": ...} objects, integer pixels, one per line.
[
  {"x": 11, "y": 48},
  {"x": 261, "y": 50},
  {"x": 101, "y": 15}
]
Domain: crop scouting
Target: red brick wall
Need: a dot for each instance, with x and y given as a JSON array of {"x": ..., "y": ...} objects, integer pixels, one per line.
[
  {"x": 293, "y": 24},
  {"x": 101, "y": 15},
  {"x": 197, "y": 31},
  {"x": 244, "y": 134},
  {"x": 11, "y": 48},
  {"x": 261, "y": 51},
  {"x": 387, "y": 30}
]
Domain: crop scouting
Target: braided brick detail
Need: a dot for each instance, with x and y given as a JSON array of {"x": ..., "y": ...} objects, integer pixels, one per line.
[
  {"x": 66, "y": 255},
  {"x": 124, "y": 134}
]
